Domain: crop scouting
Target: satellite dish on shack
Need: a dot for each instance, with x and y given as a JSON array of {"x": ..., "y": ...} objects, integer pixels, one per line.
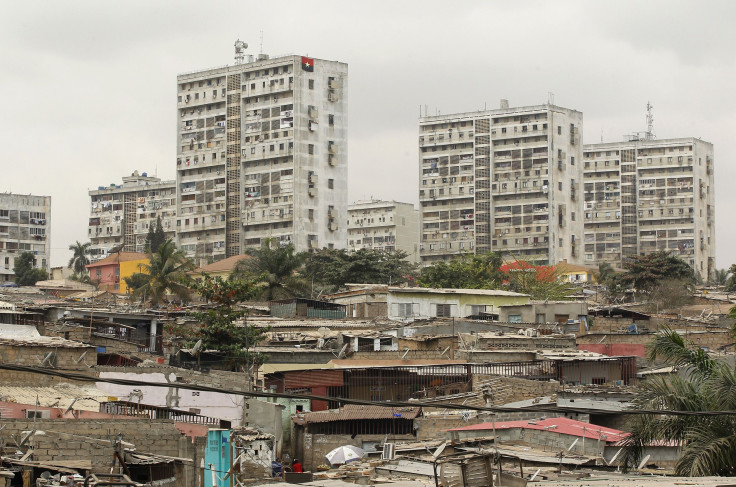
[
  {"x": 323, "y": 331},
  {"x": 196, "y": 348}
]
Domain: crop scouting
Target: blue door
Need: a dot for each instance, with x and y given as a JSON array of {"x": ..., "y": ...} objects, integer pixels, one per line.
[{"x": 217, "y": 457}]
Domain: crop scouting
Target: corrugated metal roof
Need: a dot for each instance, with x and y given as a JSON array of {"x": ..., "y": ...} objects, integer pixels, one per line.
[
  {"x": 40, "y": 341},
  {"x": 563, "y": 426},
  {"x": 481, "y": 292},
  {"x": 88, "y": 397},
  {"x": 355, "y": 411}
]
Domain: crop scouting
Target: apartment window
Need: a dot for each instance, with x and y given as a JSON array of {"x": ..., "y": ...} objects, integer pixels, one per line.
[
  {"x": 559, "y": 130},
  {"x": 330, "y": 119},
  {"x": 310, "y": 148},
  {"x": 311, "y": 214},
  {"x": 311, "y": 84},
  {"x": 331, "y": 183},
  {"x": 404, "y": 310},
  {"x": 443, "y": 310}
]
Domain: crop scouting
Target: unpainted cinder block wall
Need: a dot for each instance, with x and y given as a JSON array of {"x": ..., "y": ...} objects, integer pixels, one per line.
[{"x": 64, "y": 439}]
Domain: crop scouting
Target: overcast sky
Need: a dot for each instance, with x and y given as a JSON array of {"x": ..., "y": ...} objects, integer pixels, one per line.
[{"x": 89, "y": 87}]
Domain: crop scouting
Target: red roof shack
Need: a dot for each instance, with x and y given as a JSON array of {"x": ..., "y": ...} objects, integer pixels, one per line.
[
  {"x": 107, "y": 270},
  {"x": 550, "y": 433}
]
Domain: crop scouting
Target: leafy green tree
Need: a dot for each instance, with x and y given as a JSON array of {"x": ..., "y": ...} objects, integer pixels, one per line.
[
  {"x": 136, "y": 281},
  {"x": 80, "y": 257},
  {"x": 25, "y": 273},
  {"x": 479, "y": 271},
  {"x": 156, "y": 236},
  {"x": 334, "y": 268},
  {"x": 165, "y": 273},
  {"x": 277, "y": 268},
  {"x": 721, "y": 277},
  {"x": 731, "y": 283},
  {"x": 643, "y": 272},
  {"x": 219, "y": 326},
  {"x": 704, "y": 384}
]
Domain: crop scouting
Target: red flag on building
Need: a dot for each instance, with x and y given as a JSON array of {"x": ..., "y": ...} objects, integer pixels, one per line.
[{"x": 307, "y": 64}]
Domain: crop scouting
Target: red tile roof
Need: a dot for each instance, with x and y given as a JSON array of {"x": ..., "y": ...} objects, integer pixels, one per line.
[{"x": 563, "y": 426}]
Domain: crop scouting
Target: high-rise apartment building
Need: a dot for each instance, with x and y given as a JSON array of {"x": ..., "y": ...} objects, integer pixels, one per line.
[
  {"x": 24, "y": 227},
  {"x": 646, "y": 195},
  {"x": 384, "y": 225},
  {"x": 502, "y": 180},
  {"x": 262, "y": 153},
  {"x": 121, "y": 214}
]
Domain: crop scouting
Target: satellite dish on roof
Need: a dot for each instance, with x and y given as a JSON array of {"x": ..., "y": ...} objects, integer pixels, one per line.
[
  {"x": 323, "y": 331},
  {"x": 196, "y": 348}
]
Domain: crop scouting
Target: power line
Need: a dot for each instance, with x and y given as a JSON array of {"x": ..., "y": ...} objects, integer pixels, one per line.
[{"x": 361, "y": 402}]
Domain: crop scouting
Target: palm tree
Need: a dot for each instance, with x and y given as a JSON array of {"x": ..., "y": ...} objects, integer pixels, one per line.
[
  {"x": 276, "y": 268},
  {"x": 164, "y": 274},
  {"x": 720, "y": 277},
  {"x": 703, "y": 384},
  {"x": 79, "y": 260}
]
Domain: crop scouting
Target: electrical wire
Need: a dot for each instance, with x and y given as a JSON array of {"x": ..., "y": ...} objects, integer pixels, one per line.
[{"x": 361, "y": 402}]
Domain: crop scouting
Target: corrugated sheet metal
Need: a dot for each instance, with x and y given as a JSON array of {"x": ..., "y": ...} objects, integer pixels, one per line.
[
  {"x": 88, "y": 398},
  {"x": 355, "y": 412},
  {"x": 313, "y": 378}
]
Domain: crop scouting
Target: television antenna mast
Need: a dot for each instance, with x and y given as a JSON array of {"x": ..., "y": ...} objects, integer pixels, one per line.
[
  {"x": 240, "y": 47},
  {"x": 650, "y": 123}
]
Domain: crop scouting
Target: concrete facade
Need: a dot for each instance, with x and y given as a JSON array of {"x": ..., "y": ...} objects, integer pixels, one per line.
[
  {"x": 502, "y": 180},
  {"x": 262, "y": 153},
  {"x": 408, "y": 304},
  {"x": 541, "y": 312},
  {"x": 121, "y": 214},
  {"x": 384, "y": 225},
  {"x": 25, "y": 226},
  {"x": 646, "y": 195}
]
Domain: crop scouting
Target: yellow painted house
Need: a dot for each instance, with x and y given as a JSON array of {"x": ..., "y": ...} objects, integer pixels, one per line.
[
  {"x": 128, "y": 268},
  {"x": 575, "y": 273}
]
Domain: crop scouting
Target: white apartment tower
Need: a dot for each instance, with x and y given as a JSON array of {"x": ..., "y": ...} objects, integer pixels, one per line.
[
  {"x": 121, "y": 214},
  {"x": 646, "y": 195},
  {"x": 384, "y": 225},
  {"x": 502, "y": 180},
  {"x": 262, "y": 153},
  {"x": 24, "y": 227}
]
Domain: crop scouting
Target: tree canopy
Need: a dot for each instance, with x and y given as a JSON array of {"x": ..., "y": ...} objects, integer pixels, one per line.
[
  {"x": 219, "y": 328},
  {"x": 479, "y": 271},
  {"x": 488, "y": 271},
  {"x": 164, "y": 274},
  {"x": 79, "y": 260},
  {"x": 277, "y": 268},
  {"x": 25, "y": 273},
  {"x": 156, "y": 236},
  {"x": 704, "y": 384},
  {"x": 644, "y": 271},
  {"x": 334, "y": 268}
]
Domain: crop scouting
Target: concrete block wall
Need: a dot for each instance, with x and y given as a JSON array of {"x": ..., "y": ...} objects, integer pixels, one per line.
[
  {"x": 316, "y": 446},
  {"x": 66, "y": 358},
  {"x": 81, "y": 334},
  {"x": 503, "y": 390},
  {"x": 236, "y": 381},
  {"x": 64, "y": 439}
]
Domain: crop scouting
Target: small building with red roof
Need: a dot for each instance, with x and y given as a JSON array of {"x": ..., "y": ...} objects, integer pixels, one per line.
[
  {"x": 550, "y": 433},
  {"x": 107, "y": 274}
]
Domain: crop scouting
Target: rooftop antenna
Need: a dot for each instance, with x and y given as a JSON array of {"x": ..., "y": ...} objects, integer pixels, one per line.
[
  {"x": 261, "y": 43},
  {"x": 550, "y": 98},
  {"x": 650, "y": 123},
  {"x": 240, "y": 47}
]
